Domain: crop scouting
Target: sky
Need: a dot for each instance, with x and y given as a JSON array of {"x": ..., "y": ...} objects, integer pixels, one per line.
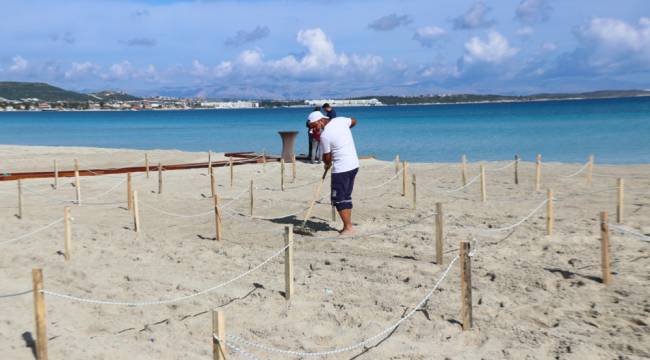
[{"x": 314, "y": 49}]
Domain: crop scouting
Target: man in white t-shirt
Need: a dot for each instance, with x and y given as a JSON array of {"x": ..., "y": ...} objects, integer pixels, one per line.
[{"x": 339, "y": 153}]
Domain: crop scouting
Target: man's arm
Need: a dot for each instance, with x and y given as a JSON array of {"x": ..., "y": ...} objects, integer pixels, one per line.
[
  {"x": 327, "y": 160},
  {"x": 353, "y": 122}
]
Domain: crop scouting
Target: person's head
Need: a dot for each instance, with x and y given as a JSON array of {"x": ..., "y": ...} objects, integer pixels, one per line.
[
  {"x": 317, "y": 120},
  {"x": 317, "y": 108},
  {"x": 327, "y": 107}
]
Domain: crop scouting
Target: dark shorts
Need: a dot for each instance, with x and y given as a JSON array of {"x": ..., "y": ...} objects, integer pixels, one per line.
[{"x": 342, "y": 186}]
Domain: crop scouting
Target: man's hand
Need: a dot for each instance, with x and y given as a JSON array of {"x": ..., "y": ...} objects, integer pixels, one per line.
[
  {"x": 353, "y": 122},
  {"x": 327, "y": 160},
  {"x": 326, "y": 166}
]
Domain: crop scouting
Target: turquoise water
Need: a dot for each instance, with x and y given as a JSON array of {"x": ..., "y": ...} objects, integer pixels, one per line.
[{"x": 616, "y": 130}]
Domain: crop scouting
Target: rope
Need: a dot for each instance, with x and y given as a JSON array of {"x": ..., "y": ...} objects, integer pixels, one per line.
[
  {"x": 167, "y": 301},
  {"x": 372, "y": 233},
  {"x": 16, "y": 294},
  {"x": 238, "y": 340},
  {"x": 515, "y": 224},
  {"x": 32, "y": 232},
  {"x": 577, "y": 172},
  {"x": 382, "y": 184},
  {"x": 628, "y": 231},
  {"x": 503, "y": 167},
  {"x": 175, "y": 214},
  {"x": 462, "y": 187}
]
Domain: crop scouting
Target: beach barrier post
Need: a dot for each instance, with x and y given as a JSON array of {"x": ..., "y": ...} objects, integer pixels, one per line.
[
  {"x": 251, "y": 198},
  {"x": 414, "y": 196},
  {"x": 619, "y": 200},
  {"x": 213, "y": 183},
  {"x": 77, "y": 183},
  {"x": 439, "y": 232},
  {"x": 218, "y": 330},
  {"x": 293, "y": 169},
  {"x": 39, "y": 312},
  {"x": 397, "y": 163},
  {"x": 590, "y": 169},
  {"x": 56, "y": 175},
  {"x": 264, "y": 161},
  {"x": 516, "y": 169},
  {"x": 538, "y": 171},
  {"x": 288, "y": 262},
  {"x": 282, "y": 174},
  {"x": 67, "y": 234},
  {"x": 160, "y": 179},
  {"x": 550, "y": 217},
  {"x": 465, "y": 285},
  {"x": 483, "y": 189},
  {"x": 209, "y": 162},
  {"x": 217, "y": 218},
  {"x": 20, "y": 199},
  {"x": 463, "y": 169},
  {"x": 136, "y": 212},
  {"x": 232, "y": 174},
  {"x": 129, "y": 190},
  {"x": 146, "y": 164},
  {"x": 404, "y": 177},
  {"x": 604, "y": 248}
]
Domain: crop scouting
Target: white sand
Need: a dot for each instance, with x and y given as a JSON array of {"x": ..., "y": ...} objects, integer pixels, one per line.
[{"x": 534, "y": 296}]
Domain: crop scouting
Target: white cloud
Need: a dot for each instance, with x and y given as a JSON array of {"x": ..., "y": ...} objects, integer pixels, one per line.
[
  {"x": 548, "y": 46},
  {"x": 223, "y": 69},
  {"x": 532, "y": 11},
  {"x": 475, "y": 17},
  {"x": 428, "y": 35},
  {"x": 494, "y": 50},
  {"x": 18, "y": 64},
  {"x": 78, "y": 70},
  {"x": 525, "y": 31}
]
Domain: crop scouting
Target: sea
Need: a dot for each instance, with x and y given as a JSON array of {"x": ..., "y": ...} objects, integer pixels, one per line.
[{"x": 616, "y": 131}]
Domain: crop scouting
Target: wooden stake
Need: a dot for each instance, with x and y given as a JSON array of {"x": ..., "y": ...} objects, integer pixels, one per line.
[
  {"x": 550, "y": 218},
  {"x": 129, "y": 191},
  {"x": 56, "y": 175},
  {"x": 483, "y": 189},
  {"x": 293, "y": 169},
  {"x": 466, "y": 285},
  {"x": 136, "y": 212},
  {"x": 219, "y": 329},
  {"x": 288, "y": 262},
  {"x": 414, "y": 197},
  {"x": 516, "y": 169},
  {"x": 146, "y": 164},
  {"x": 209, "y": 162},
  {"x": 590, "y": 169},
  {"x": 39, "y": 311},
  {"x": 264, "y": 161},
  {"x": 404, "y": 177},
  {"x": 20, "y": 199},
  {"x": 217, "y": 218},
  {"x": 77, "y": 183},
  {"x": 213, "y": 184},
  {"x": 538, "y": 171},
  {"x": 67, "y": 234},
  {"x": 604, "y": 248},
  {"x": 282, "y": 174},
  {"x": 232, "y": 174},
  {"x": 252, "y": 198},
  {"x": 439, "y": 232},
  {"x": 619, "y": 201},
  {"x": 397, "y": 163},
  {"x": 160, "y": 179},
  {"x": 463, "y": 169}
]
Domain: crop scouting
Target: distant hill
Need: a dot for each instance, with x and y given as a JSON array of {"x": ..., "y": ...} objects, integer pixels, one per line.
[
  {"x": 11, "y": 90},
  {"x": 44, "y": 92},
  {"x": 113, "y": 96}
]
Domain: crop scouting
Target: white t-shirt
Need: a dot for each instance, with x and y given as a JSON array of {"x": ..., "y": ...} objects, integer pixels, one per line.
[{"x": 337, "y": 139}]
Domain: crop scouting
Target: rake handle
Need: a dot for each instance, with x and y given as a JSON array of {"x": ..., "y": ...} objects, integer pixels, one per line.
[{"x": 313, "y": 200}]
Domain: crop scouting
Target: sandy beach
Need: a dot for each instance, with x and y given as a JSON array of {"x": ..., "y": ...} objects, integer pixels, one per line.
[{"x": 150, "y": 294}]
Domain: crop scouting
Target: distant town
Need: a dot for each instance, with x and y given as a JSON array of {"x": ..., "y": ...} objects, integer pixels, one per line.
[{"x": 23, "y": 96}]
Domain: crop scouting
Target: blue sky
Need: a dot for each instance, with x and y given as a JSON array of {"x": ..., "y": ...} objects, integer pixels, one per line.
[{"x": 295, "y": 49}]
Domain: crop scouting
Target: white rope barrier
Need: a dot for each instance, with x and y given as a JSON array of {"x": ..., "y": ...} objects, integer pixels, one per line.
[
  {"x": 577, "y": 172},
  {"x": 382, "y": 184},
  {"x": 505, "y": 228},
  {"x": 624, "y": 230},
  {"x": 32, "y": 232},
  {"x": 462, "y": 187},
  {"x": 373, "y": 233},
  {"x": 20, "y": 293},
  {"x": 234, "y": 339},
  {"x": 167, "y": 301},
  {"x": 160, "y": 211},
  {"x": 502, "y": 167}
]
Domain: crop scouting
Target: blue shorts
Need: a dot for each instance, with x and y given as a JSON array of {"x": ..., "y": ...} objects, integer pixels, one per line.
[{"x": 342, "y": 185}]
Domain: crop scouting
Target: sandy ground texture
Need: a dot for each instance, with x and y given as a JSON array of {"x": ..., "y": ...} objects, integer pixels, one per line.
[{"x": 534, "y": 296}]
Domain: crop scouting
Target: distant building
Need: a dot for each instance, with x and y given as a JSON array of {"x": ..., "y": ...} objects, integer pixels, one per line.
[
  {"x": 44, "y": 106},
  {"x": 344, "y": 102},
  {"x": 230, "y": 104}
]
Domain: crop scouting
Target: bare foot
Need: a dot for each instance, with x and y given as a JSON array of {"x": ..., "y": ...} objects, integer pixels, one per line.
[{"x": 347, "y": 232}]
